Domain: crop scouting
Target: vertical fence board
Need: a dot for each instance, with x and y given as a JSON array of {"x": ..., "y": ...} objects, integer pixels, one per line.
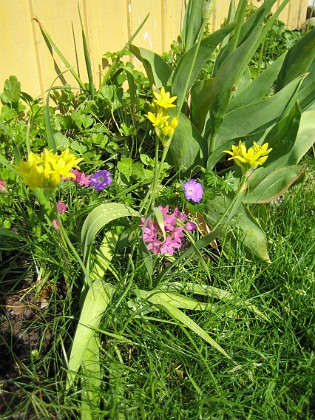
[
  {"x": 61, "y": 20},
  {"x": 107, "y": 30},
  {"x": 17, "y": 46},
  {"x": 108, "y": 26}
]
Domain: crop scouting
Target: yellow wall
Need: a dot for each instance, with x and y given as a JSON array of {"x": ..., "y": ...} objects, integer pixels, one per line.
[{"x": 108, "y": 25}]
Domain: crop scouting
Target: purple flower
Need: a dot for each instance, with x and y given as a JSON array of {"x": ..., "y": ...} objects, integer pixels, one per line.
[
  {"x": 100, "y": 180},
  {"x": 193, "y": 190},
  {"x": 61, "y": 207}
]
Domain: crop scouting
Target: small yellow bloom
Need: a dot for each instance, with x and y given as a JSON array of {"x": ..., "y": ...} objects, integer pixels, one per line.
[
  {"x": 47, "y": 169},
  {"x": 158, "y": 120},
  {"x": 255, "y": 155},
  {"x": 163, "y": 99}
]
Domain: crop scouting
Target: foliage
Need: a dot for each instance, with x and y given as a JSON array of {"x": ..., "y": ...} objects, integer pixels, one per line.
[{"x": 125, "y": 195}]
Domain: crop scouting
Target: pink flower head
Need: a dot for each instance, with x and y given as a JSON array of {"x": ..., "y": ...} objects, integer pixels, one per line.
[
  {"x": 169, "y": 246},
  {"x": 190, "y": 226},
  {"x": 170, "y": 240},
  {"x": 61, "y": 207},
  {"x": 3, "y": 187},
  {"x": 80, "y": 178},
  {"x": 193, "y": 191},
  {"x": 100, "y": 180}
]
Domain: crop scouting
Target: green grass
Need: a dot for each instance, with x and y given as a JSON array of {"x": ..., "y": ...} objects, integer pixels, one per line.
[{"x": 161, "y": 370}]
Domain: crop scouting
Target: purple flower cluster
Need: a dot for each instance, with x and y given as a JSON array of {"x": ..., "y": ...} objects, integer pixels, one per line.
[
  {"x": 166, "y": 242},
  {"x": 99, "y": 180}
]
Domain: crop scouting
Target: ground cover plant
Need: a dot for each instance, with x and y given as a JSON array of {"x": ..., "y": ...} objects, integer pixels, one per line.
[{"x": 154, "y": 261}]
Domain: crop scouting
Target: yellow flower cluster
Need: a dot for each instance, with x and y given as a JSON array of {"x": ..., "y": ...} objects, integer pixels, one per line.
[
  {"x": 159, "y": 118},
  {"x": 47, "y": 169},
  {"x": 254, "y": 156}
]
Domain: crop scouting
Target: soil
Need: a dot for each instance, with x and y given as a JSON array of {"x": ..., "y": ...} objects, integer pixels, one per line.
[{"x": 24, "y": 321}]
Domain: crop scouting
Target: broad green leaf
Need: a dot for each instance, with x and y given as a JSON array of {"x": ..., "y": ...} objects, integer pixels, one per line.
[
  {"x": 242, "y": 229},
  {"x": 188, "y": 149},
  {"x": 157, "y": 70},
  {"x": 259, "y": 116},
  {"x": 232, "y": 68},
  {"x": 258, "y": 88},
  {"x": 305, "y": 137},
  {"x": 95, "y": 304},
  {"x": 185, "y": 74},
  {"x": 192, "y": 23},
  {"x": 97, "y": 219},
  {"x": 201, "y": 93},
  {"x": 274, "y": 184},
  {"x": 298, "y": 60},
  {"x": 91, "y": 380}
]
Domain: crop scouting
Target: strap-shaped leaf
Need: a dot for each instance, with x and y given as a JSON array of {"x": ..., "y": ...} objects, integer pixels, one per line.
[
  {"x": 97, "y": 219},
  {"x": 95, "y": 304},
  {"x": 163, "y": 303}
]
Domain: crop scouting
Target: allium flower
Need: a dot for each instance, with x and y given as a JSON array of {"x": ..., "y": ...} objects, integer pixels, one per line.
[
  {"x": 193, "y": 190},
  {"x": 46, "y": 170},
  {"x": 100, "y": 180},
  {"x": 255, "y": 155},
  {"x": 170, "y": 240},
  {"x": 163, "y": 99},
  {"x": 3, "y": 187},
  {"x": 61, "y": 207},
  {"x": 158, "y": 119},
  {"x": 80, "y": 178}
]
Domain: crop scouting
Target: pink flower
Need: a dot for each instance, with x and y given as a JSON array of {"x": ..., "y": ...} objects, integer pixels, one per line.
[
  {"x": 61, "y": 207},
  {"x": 3, "y": 187},
  {"x": 170, "y": 240},
  {"x": 80, "y": 178},
  {"x": 190, "y": 226},
  {"x": 169, "y": 246},
  {"x": 55, "y": 224}
]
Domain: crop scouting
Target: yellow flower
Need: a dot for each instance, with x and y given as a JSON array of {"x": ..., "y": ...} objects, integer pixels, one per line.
[
  {"x": 255, "y": 155},
  {"x": 47, "y": 169},
  {"x": 158, "y": 120},
  {"x": 163, "y": 99}
]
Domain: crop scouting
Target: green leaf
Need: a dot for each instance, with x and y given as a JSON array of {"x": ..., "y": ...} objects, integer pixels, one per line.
[
  {"x": 54, "y": 47},
  {"x": 87, "y": 59},
  {"x": 201, "y": 94},
  {"x": 241, "y": 229},
  {"x": 298, "y": 60},
  {"x": 97, "y": 219},
  {"x": 188, "y": 149},
  {"x": 258, "y": 116},
  {"x": 164, "y": 304},
  {"x": 258, "y": 88},
  {"x": 12, "y": 91},
  {"x": 157, "y": 70},
  {"x": 274, "y": 184},
  {"x": 216, "y": 293},
  {"x": 95, "y": 304},
  {"x": 181, "y": 84},
  {"x": 192, "y": 23}
]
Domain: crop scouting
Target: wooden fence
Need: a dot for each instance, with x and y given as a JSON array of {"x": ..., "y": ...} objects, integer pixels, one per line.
[{"x": 108, "y": 24}]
